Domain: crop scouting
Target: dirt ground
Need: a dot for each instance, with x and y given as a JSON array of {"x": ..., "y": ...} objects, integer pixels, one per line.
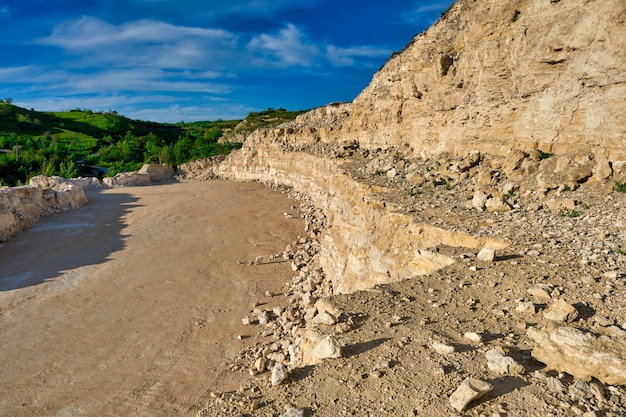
[{"x": 130, "y": 305}]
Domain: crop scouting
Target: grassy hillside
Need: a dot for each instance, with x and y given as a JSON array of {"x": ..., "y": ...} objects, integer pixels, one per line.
[{"x": 72, "y": 143}]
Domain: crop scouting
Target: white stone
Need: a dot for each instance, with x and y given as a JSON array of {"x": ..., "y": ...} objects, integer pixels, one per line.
[
  {"x": 324, "y": 318},
  {"x": 486, "y": 255},
  {"x": 561, "y": 311},
  {"x": 279, "y": 374},
  {"x": 538, "y": 292},
  {"x": 469, "y": 390},
  {"x": 473, "y": 337},
  {"x": 442, "y": 348},
  {"x": 479, "y": 200},
  {"x": 580, "y": 354},
  {"x": 293, "y": 412},
  {"x": 526, "y": 307},
  {"x": 328, "y": 348},
  {"x": 498, "y": 362}
]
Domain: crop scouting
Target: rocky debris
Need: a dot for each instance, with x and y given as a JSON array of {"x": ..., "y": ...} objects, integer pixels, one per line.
[
  {"x": 581, "y": 354},
  {"x": 471, "y": 389},
  {"x": 552, "y": 257}
]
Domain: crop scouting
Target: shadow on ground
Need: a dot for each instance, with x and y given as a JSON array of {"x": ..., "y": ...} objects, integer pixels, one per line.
[{"x": 65, "y": 241}]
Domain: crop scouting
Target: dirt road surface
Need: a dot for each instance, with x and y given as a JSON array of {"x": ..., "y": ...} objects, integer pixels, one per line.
[{"x": 130, "y": 305}]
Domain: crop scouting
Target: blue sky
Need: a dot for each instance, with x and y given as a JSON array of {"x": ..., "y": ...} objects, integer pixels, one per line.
[{"x": 189, "y": 60}]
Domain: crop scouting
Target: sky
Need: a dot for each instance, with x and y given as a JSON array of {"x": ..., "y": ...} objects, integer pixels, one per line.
[{"x": 190, "y": 60}]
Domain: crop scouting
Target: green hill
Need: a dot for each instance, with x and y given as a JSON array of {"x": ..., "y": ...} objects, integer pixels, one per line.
[{"x": 83, "y": 142}]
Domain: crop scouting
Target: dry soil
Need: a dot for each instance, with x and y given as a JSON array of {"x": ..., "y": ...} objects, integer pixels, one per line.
[{"x": 129, "y": 305}]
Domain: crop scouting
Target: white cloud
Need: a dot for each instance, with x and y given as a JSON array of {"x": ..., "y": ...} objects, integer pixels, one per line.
[
  {"x": 177, "y": 113},
  {"x": 417, "y": 14},
  {"x": 144, "y": 43},
  {"x": 343, "y": 57},
  {"x": 89, "y": 32},
  {"x": 289, "y": 47}
]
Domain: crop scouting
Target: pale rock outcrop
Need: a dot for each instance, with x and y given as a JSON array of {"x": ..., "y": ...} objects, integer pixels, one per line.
[
  {"x": 581, "y": 354},
  {"x": 21, "y": 207},
  {"x": 148, "y": 174}
]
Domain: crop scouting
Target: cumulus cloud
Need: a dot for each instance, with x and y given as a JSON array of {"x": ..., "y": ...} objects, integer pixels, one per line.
[
  {"x": 143, "y": 42},
  {"x": 290, "y": 47}
]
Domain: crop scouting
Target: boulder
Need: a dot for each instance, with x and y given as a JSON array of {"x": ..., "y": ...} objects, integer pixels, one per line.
[{"x": 581, "y": 354}]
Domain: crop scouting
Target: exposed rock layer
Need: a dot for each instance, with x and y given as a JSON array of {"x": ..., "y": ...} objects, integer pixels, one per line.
[{"x": 493, "y": 76}]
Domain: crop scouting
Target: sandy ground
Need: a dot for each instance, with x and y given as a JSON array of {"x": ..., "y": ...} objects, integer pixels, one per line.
[{"x": 130, "y": 305}]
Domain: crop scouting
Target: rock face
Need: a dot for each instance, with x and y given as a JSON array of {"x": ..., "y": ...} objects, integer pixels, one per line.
[
  {"x": 495, "y": 76},
  {"x": 21, "y": 207},
  {"x": 148, "y": 174}
]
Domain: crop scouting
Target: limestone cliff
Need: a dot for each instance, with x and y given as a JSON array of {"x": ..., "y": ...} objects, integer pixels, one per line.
[{"x": 492, "y": 76}]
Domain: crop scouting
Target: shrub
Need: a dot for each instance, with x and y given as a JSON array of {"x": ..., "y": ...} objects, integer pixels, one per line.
[{"x": 619, "y": 187}]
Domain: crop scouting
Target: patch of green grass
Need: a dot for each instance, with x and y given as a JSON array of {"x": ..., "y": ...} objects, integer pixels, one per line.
[
  {"x": 619, "y": 187},
  {"x": 445, "y": 184},
  {"x": 413, "y": 192},
  {"x": 620, "y": 251},
  {"x": 567, "y": 212}
]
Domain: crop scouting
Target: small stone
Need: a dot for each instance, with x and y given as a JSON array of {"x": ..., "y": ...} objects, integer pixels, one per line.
[
  {"x": 328, "y": 348},
  {"x": 486, "y": 255},
  {"x": 259, "y": 364},
  {"x": 555, "y": 385},
  {"x": 526, "y": 307},
  {"x": 603, "y": 321},
  {"x": 473, "y": 337},
  {"x": 613, "y": 275},
  {"x": 279, "y": 374},
  {"x": 469, "y": 390},
  {"x": 538, "y": 292},
  {"x": 442, "y": 348},
  {"x": 324, "y": 318},
  {"x": 258, "y": 260},
  {"x": 293, "y": 412},
  {"x": 561, "y": 311},
  {"x": 498, "y": 362},
  {"x": 479, "y": 200}
]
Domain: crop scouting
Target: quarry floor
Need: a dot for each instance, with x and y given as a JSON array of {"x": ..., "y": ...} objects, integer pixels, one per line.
[
  {"x": 129, "y": 305},
  {"x": 134, "y": 305}
]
